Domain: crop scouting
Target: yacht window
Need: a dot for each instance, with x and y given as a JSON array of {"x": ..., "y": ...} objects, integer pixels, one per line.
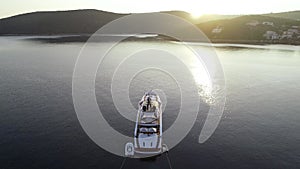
[
  {"x": 143, "y": 130},
  {"x": 152, "y": 130},
  {"x": 148, "y": 130}
]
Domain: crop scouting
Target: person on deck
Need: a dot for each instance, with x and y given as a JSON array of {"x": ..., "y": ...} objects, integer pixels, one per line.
[{"x": 148, "y": 103}]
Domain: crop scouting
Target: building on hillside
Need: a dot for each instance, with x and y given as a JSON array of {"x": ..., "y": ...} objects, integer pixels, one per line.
[
  {"x": 295, "y": 31},
  {"x": 287, "y": 35},
  {"x": 290, "y": 33},
  {"x": 268, "y": 23},
  {"x": 271, "y": 35},
  {"x": 217, "y": 30}
]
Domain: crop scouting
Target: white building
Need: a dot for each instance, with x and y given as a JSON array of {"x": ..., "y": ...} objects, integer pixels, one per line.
[
  {"x": 217, "y": 30},
  {"x": 268, "y": 23},
  {"x": 295, "y": 31},
  {"x": 290, "y": 33},
  {"x": 271, "y": 35},
  {"x": 287, "y": 35}
]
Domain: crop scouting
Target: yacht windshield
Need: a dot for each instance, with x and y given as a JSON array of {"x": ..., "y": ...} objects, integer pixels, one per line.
[{"x": 150, "y": 130}]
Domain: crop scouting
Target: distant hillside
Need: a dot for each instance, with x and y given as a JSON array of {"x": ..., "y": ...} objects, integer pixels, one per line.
[
  {"x": 207, "y": 18},
  {"x": 295, "y": 15},
  {"x": 201, "y": 19},
  {"x": 218, "y": 28},
  {"x": 64, "y": 22},
  {"x": 181, "y": 14},
  {"x": 60, "y": 22},
  {"x": 251, "y": 27}
]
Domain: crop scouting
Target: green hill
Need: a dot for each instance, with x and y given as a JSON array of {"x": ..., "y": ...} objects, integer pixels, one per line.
[
  {"x": 57, "y": 22},
  {"x": 213, "y": 17},
  {"x": 229, "y": 28},
  {"x": 295, "y": 15},
  {"x": 201, "y": 19},
  {"x": 240, "y": 28}
]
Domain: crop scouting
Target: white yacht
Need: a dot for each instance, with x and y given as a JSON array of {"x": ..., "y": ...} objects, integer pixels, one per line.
[{"x": 148, "y": 128}]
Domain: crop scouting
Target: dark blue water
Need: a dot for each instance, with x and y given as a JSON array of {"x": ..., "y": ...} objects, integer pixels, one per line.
[{"x": 39, "y": 127}]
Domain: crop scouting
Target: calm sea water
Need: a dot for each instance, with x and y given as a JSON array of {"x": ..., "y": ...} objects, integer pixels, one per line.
[{"x": 39, "y": 127}]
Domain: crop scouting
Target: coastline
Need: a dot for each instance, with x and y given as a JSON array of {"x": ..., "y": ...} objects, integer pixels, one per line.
[
  {"x": 256, "y": 42},
  {"x": 69, "y": 38}
]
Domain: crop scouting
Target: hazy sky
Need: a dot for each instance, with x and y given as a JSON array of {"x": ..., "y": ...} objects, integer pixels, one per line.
[{"x": 196, "y": 7}]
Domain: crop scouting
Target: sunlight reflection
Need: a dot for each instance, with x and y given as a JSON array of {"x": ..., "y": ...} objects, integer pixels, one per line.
[{"x": 200, "y": 74}]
